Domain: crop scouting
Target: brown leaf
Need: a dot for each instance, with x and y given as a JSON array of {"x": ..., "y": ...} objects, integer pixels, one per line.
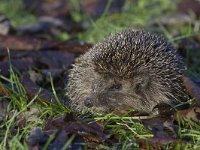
[
  {"x": 32, "y": 90},
  {"x": 24, "y": 60},
  {"x": 91, "y": 132},
  {"x": 61, "y": 129},
  {"x": 62, "y": 7},
  {"x": 86, "y": 131},
  {"x": 72, "y": 47},
  {"x": 37, "y": 138},
  {"x": 20, "y": 65},
  {"x": 54, "y": 59},
  {"x": 48, "y": 7},
  {"x": 192, "y": 88},
  {"x": 191, "y": 113},
  {"x": 28, "y": 43},
  {"x": 60, "y": 139},
  {"x": 20, "y": 43},
  {"x": 96, "y": 8},
  {"x": 51, "y": 27},
  {"x": 186, "y": 6},
  {"x": 155, "y": 143},
  {"x": 191, "y": 44},
  {"x": 162, "y": 127},
  {"x": 4, "y": 55},
  {"x": 3, "y": 91}
]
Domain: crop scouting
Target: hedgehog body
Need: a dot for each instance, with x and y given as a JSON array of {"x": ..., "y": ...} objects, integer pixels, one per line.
[{"x": 133, "y": 69}]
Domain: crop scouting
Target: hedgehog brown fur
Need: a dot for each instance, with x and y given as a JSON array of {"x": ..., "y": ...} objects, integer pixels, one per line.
[{"x": 133, "y": 69}]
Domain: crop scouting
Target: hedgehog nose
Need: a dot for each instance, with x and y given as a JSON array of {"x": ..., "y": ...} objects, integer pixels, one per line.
[{"x": 88, "y": 102}]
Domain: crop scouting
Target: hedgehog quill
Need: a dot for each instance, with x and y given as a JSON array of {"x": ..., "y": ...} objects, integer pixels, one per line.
[{"x": 132, "y": 69}]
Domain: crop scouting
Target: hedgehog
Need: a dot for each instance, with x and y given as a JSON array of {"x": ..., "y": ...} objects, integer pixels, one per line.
[{"x": 129, "y": 70}]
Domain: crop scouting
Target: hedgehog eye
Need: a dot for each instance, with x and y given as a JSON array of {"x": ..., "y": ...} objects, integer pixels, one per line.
[
  {"x": 138, "y": 87},
  {"x": 142, "y": 85},
  {"x": 116, "y": 87}
]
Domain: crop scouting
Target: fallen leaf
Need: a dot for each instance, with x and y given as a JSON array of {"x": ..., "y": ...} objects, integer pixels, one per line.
[
  {"x": 155, "y": 143},
  {"x": 64, "y": 128},
  {"x": 94, "y": 9},
  {"x": 20, "y": 65},
  {"x": 37, "y": 138},
  {"x": 27, "y": 43},
  {"x": 192, "y": 88},
  {"x": 33, "y": 90},
  {"x": 192, "y": 113},
  {"x": 162, "y": 127},
  {"x": 3, "y": 91},
  {"x": 54, "y": 59},
  {"x": 90, "y": 132},
  {"x": 188, "y": 6},
  {"x": 48, "y": 7}
]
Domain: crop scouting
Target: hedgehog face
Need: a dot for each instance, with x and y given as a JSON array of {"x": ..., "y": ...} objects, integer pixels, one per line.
[{"x": 114, "y": 94}]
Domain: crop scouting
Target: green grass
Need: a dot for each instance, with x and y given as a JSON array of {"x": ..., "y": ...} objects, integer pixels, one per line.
[
  {"x": 128, "y": 128},
  {"x": 12, "y": 136},
  {"x": 18, "y": 104},
  {"x": 13, "y": 9},
  {"x": 135, "y": 14}
]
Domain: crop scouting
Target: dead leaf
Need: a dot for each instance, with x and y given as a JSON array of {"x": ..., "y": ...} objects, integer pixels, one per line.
[
  {"x": 162, "y": 127},
  {"x": 22, "y": 61},
  {"x": 27, "y": 43},
  {"x": 20, "y": 65},
  {"x": 32, "y": 90},
  {"x": 192, "y": 113},
  {"x": 188, "y": 6},
  {"x": 48, "y": 26},
  {"x": 189, "y": 44},
  {"x": 90, "y": 132},
  {"x": 54, "y": 59},
  {"x": 192, "y": 88},
  {"x": 37, "y": 138},
  {"x": 48, "y": 7},
  {"x": 62, "y": 129},
  {"x": 155, "y": 143},
  {"x": 3, "y": 91},
  {"x": 94, "y": 9}
]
